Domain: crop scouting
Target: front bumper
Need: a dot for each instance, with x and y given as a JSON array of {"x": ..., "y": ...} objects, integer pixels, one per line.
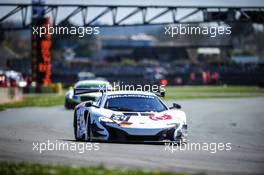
[{"x": 140, "y": 135}]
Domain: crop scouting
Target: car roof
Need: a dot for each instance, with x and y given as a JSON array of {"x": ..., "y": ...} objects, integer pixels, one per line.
[{"x": 129, "y": 92}]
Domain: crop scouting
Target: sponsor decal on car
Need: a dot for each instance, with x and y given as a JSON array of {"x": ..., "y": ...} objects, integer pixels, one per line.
[
  {"x": 130, "y": 95},
  {"x": 157, "y": 118},
  {"x": 120, "y": 117}
]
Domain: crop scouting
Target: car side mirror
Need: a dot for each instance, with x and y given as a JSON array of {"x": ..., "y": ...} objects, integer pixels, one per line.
[
  {"x": 162, "y": 94},
  {"x": 175, "y": 106},
  {"x": 88, "y": 104}
]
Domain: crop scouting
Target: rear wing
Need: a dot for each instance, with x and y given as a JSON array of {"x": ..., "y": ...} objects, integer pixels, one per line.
[
  {"x": 159, "y": 93},
  {"x": 99, "y": 88}
]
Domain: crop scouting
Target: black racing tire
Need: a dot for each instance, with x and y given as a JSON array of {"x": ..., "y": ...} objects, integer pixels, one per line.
[
  {"x": 68, "y": 105},
  {"x": 182, "y": 140},
  {"x": 88, "y": 127},
  {"x": 75, "y": 128}
]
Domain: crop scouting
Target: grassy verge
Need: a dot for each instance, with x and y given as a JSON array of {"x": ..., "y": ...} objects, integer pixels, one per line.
[
  {"x": 37, "y": 169},
  {"x": 35, "y": 100},
  {"x": 172, "y": 93},
  {"x": 201, "y": 92}
]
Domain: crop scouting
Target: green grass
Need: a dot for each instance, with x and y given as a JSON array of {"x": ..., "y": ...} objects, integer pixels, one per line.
[
  {"x": 35, "y": 100},
  {"x": 172, "y": 93},
  {"x": 201, "y": 92},
  {"x": 37, "y": 169}
]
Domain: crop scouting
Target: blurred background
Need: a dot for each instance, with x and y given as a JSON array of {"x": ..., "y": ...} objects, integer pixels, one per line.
[{"x": 131, "y": 47}]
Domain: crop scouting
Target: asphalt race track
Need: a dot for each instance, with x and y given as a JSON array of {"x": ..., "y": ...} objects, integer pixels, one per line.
[{"x": 237, "y": 121}]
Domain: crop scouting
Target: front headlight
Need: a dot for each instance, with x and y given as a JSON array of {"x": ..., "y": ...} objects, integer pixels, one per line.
[
  {"x": 105, "y": 120},
  {"x": 175, "y": 124}
]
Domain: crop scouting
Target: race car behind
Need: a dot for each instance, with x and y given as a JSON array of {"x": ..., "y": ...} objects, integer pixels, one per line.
[{"x": 72, "y": 100}]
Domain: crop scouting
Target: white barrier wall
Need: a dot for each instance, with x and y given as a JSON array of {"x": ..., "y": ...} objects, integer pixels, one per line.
[{"x": 10, "y": 94}]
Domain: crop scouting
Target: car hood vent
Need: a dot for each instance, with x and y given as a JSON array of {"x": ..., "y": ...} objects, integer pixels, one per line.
[
  {"x": 137, "y": 114},
  {"x": 146, "y": 114},
  {"x": 130, "y": 113}
]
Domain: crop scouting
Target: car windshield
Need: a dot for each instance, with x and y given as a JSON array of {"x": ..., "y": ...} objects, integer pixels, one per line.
[{"x": 134, "y": 103}]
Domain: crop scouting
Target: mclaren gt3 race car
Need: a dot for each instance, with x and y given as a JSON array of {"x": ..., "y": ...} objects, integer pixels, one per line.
[{"x": 129, "y": 116}]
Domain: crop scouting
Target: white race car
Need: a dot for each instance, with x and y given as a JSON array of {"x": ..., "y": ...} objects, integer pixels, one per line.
[
  {"x": 129, "y": 116},
  {"x": 72, "y": 100}
]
